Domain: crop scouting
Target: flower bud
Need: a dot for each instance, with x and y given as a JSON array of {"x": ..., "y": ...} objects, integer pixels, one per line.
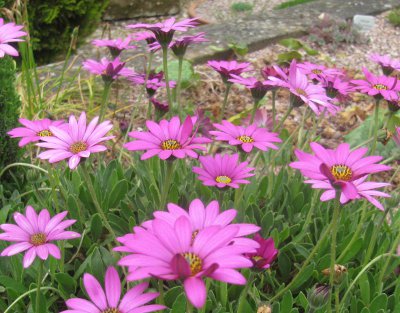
[
  {"x": 318, "y": 296},
  {"x": 339, "y": 273},
  {"x": 264, "y": 309}
]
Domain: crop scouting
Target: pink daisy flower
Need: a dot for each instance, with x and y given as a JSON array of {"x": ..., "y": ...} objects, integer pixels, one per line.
[
  {"x": 342, "y": 169},
  {"x": 164, "y": 31},
  {"x": 179, "y": 45},
  {"x": 161, "y": 107},
  {"x": 108, "y": 300},
  {"x": 108, "y": 70},
  {"x": 171, "y": 253},
  {"x": 261, "y": 119},
  {"x": 223, "y": 171},
  {"x": 265, "y": 254},
  {"x": 318, "y": 72},
  {"x": 116, "y": 46},
  {"x": 76, "y": 142},
  {"x": 257, "y": 88},
  {"x": 387, "y": 64},
  {"x": 34, "y": 130},
  {"x": 227, "y": 68},
  {"x": 9, "y": 32},
  {"x": 168, "y": 139},
  {"x": 248, "y": 137},
  {"x": 302, "y": 91},
  {"x": 378, "y": 86},
  {"x": 337, "y": 88},
  {"x": 34, "y": 234},
  {"x": 396, "y": 136},
  {"x": 153, "y": 83}
]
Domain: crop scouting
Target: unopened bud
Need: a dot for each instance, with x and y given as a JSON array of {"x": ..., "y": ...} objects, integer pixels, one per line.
[
  {"x": 318, "y": 296},
  {"x": 384, "y": 136},
  {"x": 339, "y": 272},
  {"x": 264, "y": 309}
]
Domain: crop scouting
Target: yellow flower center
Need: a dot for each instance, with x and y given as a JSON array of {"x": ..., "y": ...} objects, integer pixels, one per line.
[
  {"x": 111, "y": 310},
  {"x": 257, "y": 258},
  {"x": 316, "y": 71},
  {"x": 301, "y": 92},
  {"x": 195, "y": 263},
  {"x": 38, "y": 239},
  {"x": 170, "y": 144},
  {"x": 245, "y": 139},
  {"x": 380, "y": 87},
  {"x": 341, "y": 172},
  {"x": 223, "y": 179},
  {"x": 45, "y": 133},
  {"x": 78, "y": 147}
]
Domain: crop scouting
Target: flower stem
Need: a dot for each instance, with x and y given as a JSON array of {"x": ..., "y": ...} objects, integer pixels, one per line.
[
  {"x": 167, "y": 184},
  {"x": 227, "y": 89},
  {"x": 335, "y": 218},
  {"x": 165, "y": 65},
  {"x": 160, "y": 298},
  {"x": 273, "y": 108},
  {"x": 277, "y": 128},
  {"x": 243, "y": 295},
  {"x": 104, "y": 100},
  {"x": 149, "y": 109},
  {"x": 38, "y": 285},
  {"x": 189, "y": 307},
  {"x": 376, "y": 126},
  {"x": 253, "y": 113},
  {"x": 178, "y": 84}
]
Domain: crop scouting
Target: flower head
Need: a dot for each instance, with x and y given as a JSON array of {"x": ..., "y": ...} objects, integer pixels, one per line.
[
  {"x": 318, "y": 72},
  {"x": 257, "y": 88},
  {"x": 261, "y": 119},
  {"x": 162, "y": 107},
  {"x": 34, "y": 130},
  {"x": 35, "y": 233},
  {"x": 179, "y": 45},
  {"x": 164, "y": 31},
  {"x": 109, "y": 70},
  {"x": 116, "y": 46},
  {"x": 153, "y": 81},
  {"x": 302, "y": 91},
  {"x": 387, "y": 64},
  {"x": 223, "y": 171},
  {"x": 204, "y": 123},
  {"x": 265, "y": 254},
  {"x": 171, "y": 253},
  {"x": 378, "y": 86},
  {"x": 168, "y": 139},
  {"x": 75, "y": 142},
  {"x": 342, "y": 170},
  {"x": 227, "y": 68},
  {"x": 149, "y": 37},
  {"x": 108, "y": 300},
  {"x": 247, "y": 137},
  {"x": 337, "y": 88},
  {"x": 9, "y": 32}
]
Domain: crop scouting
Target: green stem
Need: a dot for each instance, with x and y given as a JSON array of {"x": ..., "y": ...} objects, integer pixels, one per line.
[
  {"x": 178, "y": 84},
  {"x": 303, "y": 121},
  {"x": 335, "y": 219},
  {"x": 38, "y": 285},
  {"x": 376, "y": 126},
  {"x": 167, "y": 184},
  {"x": 96, "y": 201},
  {"x": 277, "y": 128},
  {"x": 189, "y": 307},
  {"x": 385, "y": 266},
  {"x": 306, "y": 262},
  {"x": 160, "y": 298},
  {"x": 149, "y": 109},
  {"x": 243, "y": 295},
  {"x": 104, "y": 100},
  {"x": 27, "y": 294},
  {"x": 273, "y": 108},
  {"x": 165, "y": 65},
  {"x": 253, "y": 113},
  {"x": 22, "y": 164},
  {"x": 227, "y": 89}
]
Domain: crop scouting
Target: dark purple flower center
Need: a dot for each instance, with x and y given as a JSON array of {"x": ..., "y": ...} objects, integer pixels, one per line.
[
  {"x": 195, "y": 263},
  {"x": 38, "y": 239},
  {"x": 245, "y": 139},
  {"x": 111, "y": 310},
  {"x": 380, "y": 87},
  {"x": 45, "y": 133},
  {"x": 341, "y": 172},
  {"x": 78, "y": 147},
  {"x": 223, "y": 179},
  {"x": 170, "y": 144}
]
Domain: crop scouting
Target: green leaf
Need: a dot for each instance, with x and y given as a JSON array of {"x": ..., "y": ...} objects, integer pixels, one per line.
[
  {"x": 379, "y": 303},
  {"x": 96, "y": 226},
  {"x": 66, "y": 283},
  {"x": 364, "y": 288},
  {"x": 287, "y": 302},
  {"x": 171, "y": 295},
  {"x": 188, "y": 74},
  {"x": 117, "y": 194},
  {"x": 179, "y": 305},
  {"x": 291, "y": 43},
  {"x": 287, "y": 57}
]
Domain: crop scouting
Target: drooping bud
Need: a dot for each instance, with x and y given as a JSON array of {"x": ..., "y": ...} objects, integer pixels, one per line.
[{"x": 318, "y": 296}]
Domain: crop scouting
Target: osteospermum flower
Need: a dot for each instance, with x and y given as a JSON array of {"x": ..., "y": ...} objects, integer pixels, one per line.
[
  {"x": 35, "y": 233},
  {"x": 341, "y": 169},
  {"x": 34, "y": 130},
  {"x": 265, "y": 254},
  {"x": 168, "y": 139},
  {"x": 378, "y": 86},
  {"x": 257, "y": 88},
  {"x": 172, "y": 253},
  {"x": 261, "y": 119},
  {"x": 318, "y": 72},
  {"x": 223, "y": 171},
  {"x": 227, "y": 68},
  {"x": 76, "y": 142},
  {"x": 387, "y": 64},
  {"x": 337, "y": 88},
  {"x": 9, "y": 32},
  {"x": 116, "y": 46},
  {"x": 179, "y": 45},
  {"x": 108, "y": 70},
  {"x": 153, "y": 82},
  {"x": 164, "y": 31},
  {"x": 302, "y": 91},
  {"x": 247, "y": 137},
  {"x": 108, "y": 300}
]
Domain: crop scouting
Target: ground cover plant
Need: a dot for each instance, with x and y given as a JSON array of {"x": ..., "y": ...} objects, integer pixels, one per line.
[{"x": 190, "y": 211}]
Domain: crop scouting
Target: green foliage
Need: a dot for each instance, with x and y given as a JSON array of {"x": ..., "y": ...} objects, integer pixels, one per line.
[
  {"x": 394, "y": 17},
  {"x": 241, "y": 6},
  {"x": 295, "y": 46},
  {"x": 291, "y": 3},
  {"x": 10, "y": 105},
  {"x": 189, "y": 77}
]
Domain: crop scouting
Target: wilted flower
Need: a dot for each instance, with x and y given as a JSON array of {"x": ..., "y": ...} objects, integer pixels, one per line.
[
  {"x": 339, "y": 272},
  {"x": 108, "y": 300},
  {"x": 204, "y": 123},
  {"x": 34, "y": 130},
  {"x": 75, "y": 142},
  {"x": 108, "y": 70},
  {"x": 227, "y": 68},
  {"x": 261, "y": 119},
  {"x": 257, "y": 88},
  {"x": 387, "y": 64},
  {"x": 162, "y": 107},
  {"x": 9, "y": 32},
  {"x": 223, "y": 171},
  {"x": 116, "y": 46},
  {"x": 343, "y": 170},
  {"x": 35, "y": 233}
]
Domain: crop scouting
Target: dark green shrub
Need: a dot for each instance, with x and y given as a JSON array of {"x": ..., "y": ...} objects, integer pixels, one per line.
[
  {"x": 10, "y": 104},
  {"x": 241, "y": 6},
  {"x": 52, "y": 22},
  {"x": 394, "y": 17}
]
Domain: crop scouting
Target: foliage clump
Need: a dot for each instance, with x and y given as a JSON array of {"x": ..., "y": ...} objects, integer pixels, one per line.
[
  {"x": 394, "y": 17},
  {"x": 241, "y": 7}
]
